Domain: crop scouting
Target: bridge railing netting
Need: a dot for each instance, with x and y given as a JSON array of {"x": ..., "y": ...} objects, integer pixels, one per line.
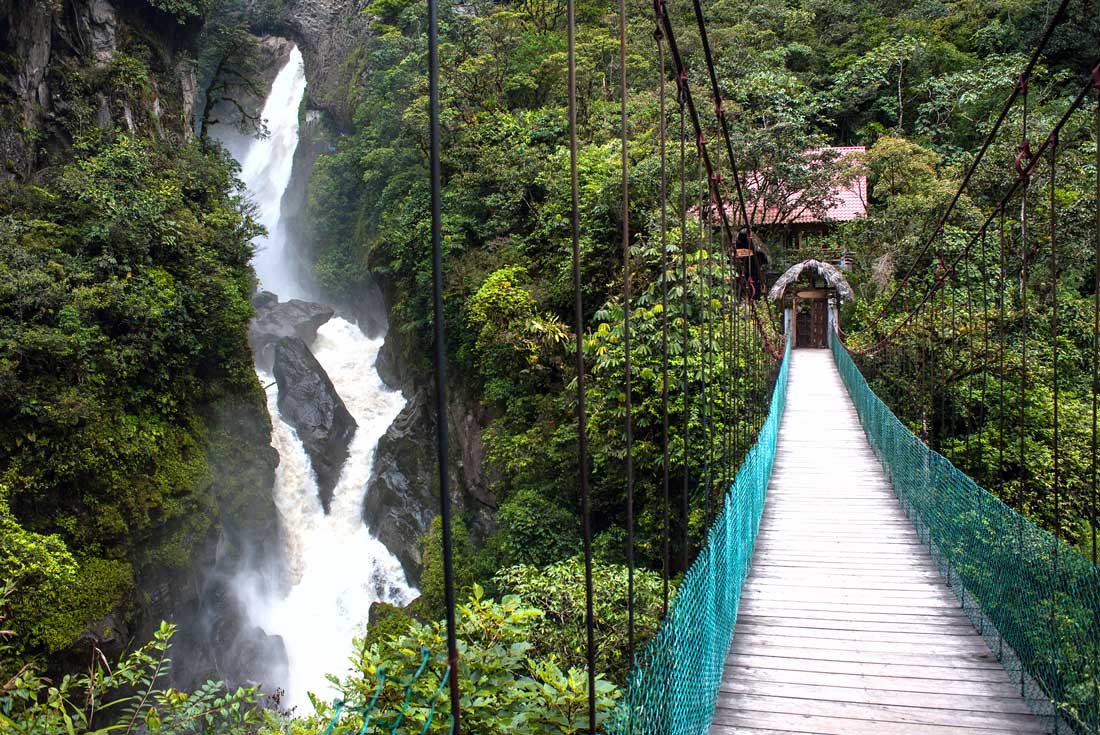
[
  {"x": 1033, "y": 598},
  {"x": 673, "y": 686}
]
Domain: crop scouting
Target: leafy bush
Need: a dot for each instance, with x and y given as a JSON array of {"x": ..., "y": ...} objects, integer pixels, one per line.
[
  {"x": 505, "y": 687},
  {"x": 558, "y": 591},
  {"x": 128, "y": 696},
  {"x": 124, "y": 284}
]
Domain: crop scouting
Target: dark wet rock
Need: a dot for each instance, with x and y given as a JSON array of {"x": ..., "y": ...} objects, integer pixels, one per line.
[
  {"x": 403, "y": 490},
  {"x": 276, "y": 320},
  {"x": 263, "y": 300},
  {"x": 403, "y": 487},
  {"x": 240, "y": 649},
  {"x": 309, "y": 402}
]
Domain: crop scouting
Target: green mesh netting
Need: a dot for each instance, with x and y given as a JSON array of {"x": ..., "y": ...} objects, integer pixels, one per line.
[
  {"x": 1032, "y": 597},
  {"x": 674, "y": 683}
]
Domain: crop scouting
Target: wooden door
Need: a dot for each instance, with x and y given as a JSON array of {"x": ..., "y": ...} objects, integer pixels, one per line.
[
  {"x": 803, "y": 329},
  {"x": 819, "y": 321}
]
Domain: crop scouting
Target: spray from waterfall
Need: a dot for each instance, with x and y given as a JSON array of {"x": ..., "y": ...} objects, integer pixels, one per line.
[{"x": 336, "y": 567}]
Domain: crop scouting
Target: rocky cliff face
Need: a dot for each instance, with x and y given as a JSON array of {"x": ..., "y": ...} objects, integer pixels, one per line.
[
  {"x": 58, "y": 58},
  {"x": 403, "y": 491},
  {"x": 326, "y": 32}
]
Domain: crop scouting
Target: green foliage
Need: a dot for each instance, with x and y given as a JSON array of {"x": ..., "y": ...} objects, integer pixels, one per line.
[
  {"x": 123, "y": 310},
  {"x": 558, "y": 591},
  {"x": 183, "y": 10},
  {"x": 229, "y": 72},
  {"x": 469, "y": 567},
  {"x": 536, "y": 531},
  {"x": 130, "y": 695},
  {"x": 505, "y": 687}
]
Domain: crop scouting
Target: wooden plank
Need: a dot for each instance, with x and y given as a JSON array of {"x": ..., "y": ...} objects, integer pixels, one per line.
[
  {"x": 879, "y": 713},
  {"x": 871, "y": 694},
  {"x": 734, "y": 722},
  {"x": 845, "y": 625},
  {"x": 994, "y": 674},
  {"x": 851, "y": 655},
  {"x": 882, "y": 623},
  {"x": 802, "y": 639},
  {"x": 796, "y": 675}
]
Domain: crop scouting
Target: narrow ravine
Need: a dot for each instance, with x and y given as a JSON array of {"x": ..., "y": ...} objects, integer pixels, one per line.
[{"x": 336, "y": 567}]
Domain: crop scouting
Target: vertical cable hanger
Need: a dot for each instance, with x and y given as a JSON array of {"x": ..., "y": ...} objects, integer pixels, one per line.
[
  {"x": 1095, "y": 387},
  {"x": 578, "y": 357},
  {"x": 704, "y": 385},
  {"x": 984, "y": 414},
  {"x": 440, "y": 357},
  {"x": 685, "y": 498},
  {"x": 1053, "y": 233},
  {"x": 1003, "y": 410},
  {"x": 626, "y": 338},
  {"x": 1023, "y": 165},
  {"x": 664, "y": 316}
]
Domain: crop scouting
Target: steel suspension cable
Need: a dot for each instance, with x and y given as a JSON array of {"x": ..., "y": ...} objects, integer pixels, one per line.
[
  {"x": 664, "y": 324},
  {"x": 720, "y": 113},
  {"x": 689, "y": 102},
  {"x": 578, "y": 358},
  {"x": 440, "y": 358},
  {"x": 626, "y": 338},
  {"x": 1025, "y": 168}
]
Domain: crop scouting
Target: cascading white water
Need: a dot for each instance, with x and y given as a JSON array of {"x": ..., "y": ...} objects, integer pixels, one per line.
[
  {"x": 337, "y": 568},
  {"x": 266, "y": 167}
]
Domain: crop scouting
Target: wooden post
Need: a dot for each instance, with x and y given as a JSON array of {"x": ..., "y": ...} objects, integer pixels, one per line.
[{"x": 794, "y": 321}]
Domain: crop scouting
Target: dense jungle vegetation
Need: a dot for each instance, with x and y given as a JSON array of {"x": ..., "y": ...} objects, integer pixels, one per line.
[
  {"x": 125, "y": 304},
  {"x": 124, "y": 365}
]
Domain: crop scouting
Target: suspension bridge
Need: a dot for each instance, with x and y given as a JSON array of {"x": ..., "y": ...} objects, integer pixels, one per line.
[{"x": 851, "y": 579}]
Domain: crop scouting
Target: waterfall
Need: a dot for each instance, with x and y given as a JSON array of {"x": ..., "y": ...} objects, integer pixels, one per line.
[{"x": 336, "y": 567}]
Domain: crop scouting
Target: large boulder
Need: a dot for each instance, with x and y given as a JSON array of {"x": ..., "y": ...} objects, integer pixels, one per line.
[
  {"x": 309, "y": 402},
  {"x": 276, "y": 320},
  {"x": 403, "y": 490}
]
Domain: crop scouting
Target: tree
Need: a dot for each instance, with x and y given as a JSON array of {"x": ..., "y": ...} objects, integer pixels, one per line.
[{"x": 230, "y": 74}]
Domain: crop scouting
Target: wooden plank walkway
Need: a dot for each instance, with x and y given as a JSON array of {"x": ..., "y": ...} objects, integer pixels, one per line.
[{"x": 845, "y": 627}]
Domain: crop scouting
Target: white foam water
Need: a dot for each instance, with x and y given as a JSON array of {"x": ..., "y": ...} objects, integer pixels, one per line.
[
  {"x": 266, "y": 166},
  {"x": 336, "y": 567}
]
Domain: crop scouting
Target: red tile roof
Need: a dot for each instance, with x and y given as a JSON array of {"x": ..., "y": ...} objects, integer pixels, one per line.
[{"x": 849, "y": 199}]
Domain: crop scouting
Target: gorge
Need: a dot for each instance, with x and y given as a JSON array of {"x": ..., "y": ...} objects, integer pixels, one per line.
[{"x": 335, "y": 568}]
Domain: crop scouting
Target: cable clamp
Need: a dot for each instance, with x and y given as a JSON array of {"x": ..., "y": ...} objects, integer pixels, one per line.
[{"x": 1022, "y": 164}]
